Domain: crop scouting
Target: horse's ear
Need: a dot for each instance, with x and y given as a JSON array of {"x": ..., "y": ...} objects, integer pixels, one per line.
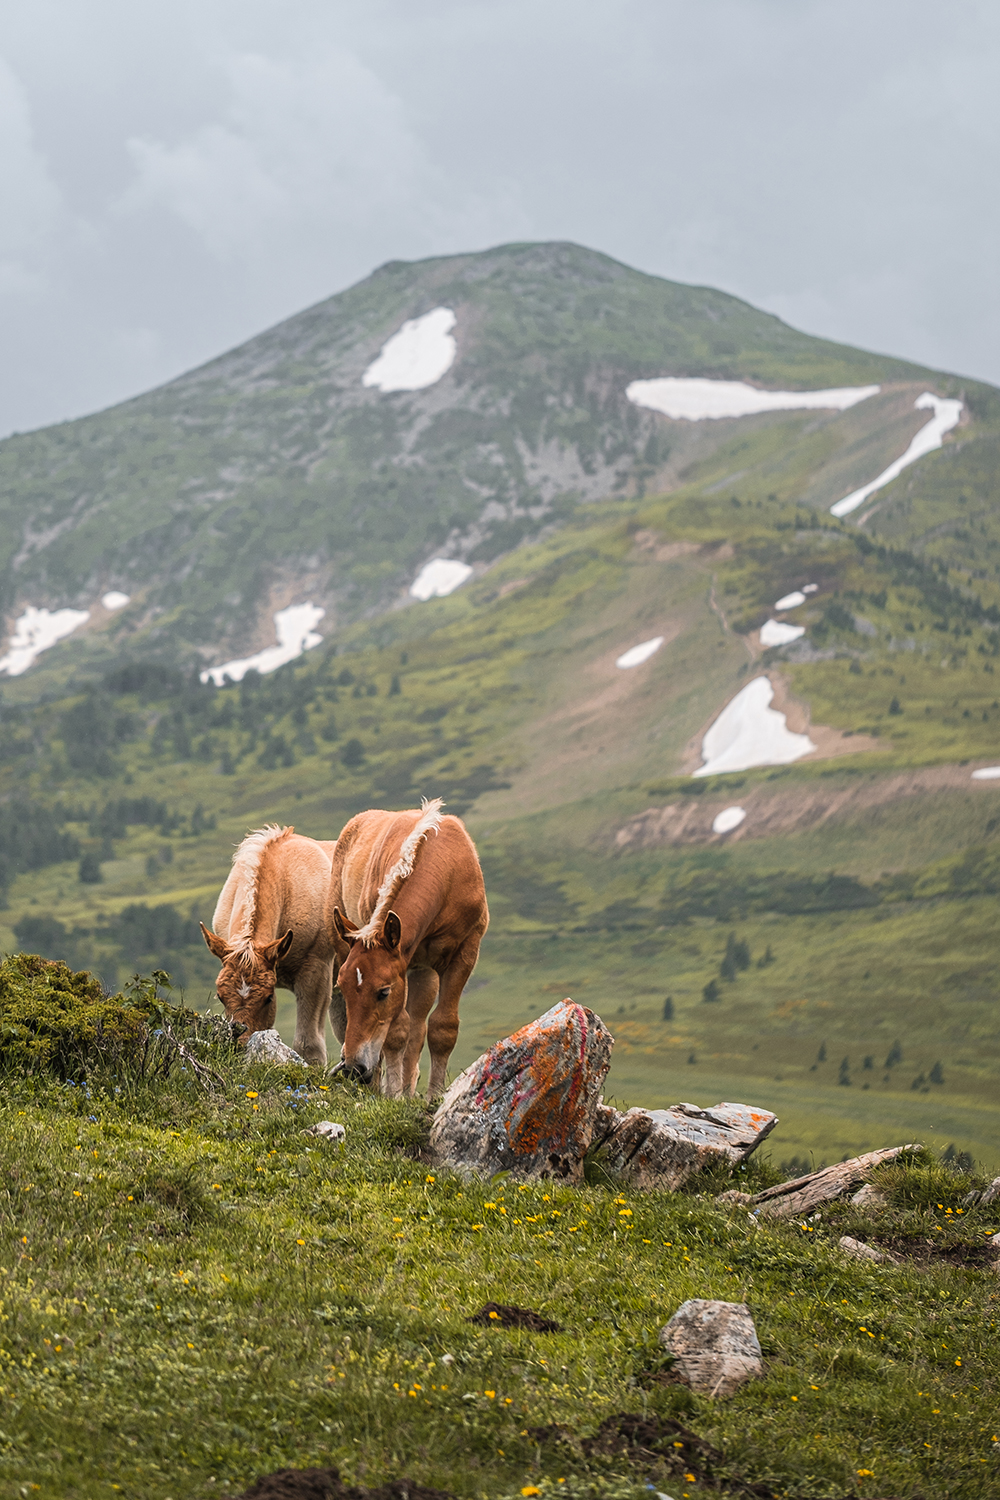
[
  {"x": 343, "y": 926},
  {"x": 392, "y": 931},
  {"x": 216, "y": 944},
  {"x": 272, "y": 952}
]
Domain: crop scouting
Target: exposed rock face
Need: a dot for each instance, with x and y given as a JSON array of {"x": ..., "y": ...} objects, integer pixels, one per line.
[
  {"x": 868, "y": 1196},
  {"x": 714, "y": 1344},
  {"x": 528, "y": 1105},
  {"x": 662, "y": 1148},
  {"x": 992, "y": 1193},
  {"x": 267, "y": 1047},
  {"x": 803, "y": 1194}
]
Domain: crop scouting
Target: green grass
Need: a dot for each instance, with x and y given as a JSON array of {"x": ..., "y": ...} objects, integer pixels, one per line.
[{"x": 194, "y": 1293}]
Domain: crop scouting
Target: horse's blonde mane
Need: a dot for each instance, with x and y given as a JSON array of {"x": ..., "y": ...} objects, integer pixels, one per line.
[
  {"x": 247, "y": 863},
  {"x": 429, "y": 821}
]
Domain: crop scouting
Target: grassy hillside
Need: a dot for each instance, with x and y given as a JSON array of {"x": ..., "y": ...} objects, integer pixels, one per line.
[
  {"x": 195, "y": 1293},
  {"x": 271, "y": 475}
]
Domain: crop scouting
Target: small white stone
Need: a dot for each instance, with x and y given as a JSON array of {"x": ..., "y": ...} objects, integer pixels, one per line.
[
  {"x": 267, "y": 1046},
  {"x": 859, "y": 1251},
  {"x": 328, "y": 1130}
]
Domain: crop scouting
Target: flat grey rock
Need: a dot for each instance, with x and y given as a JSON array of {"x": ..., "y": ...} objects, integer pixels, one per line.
[
  {"x": 662, "y": 1148},
  {"x": 860, "y": 1251},
  {"x": 267, "y": 1047},
  {"x": 714, "y": 1344}
]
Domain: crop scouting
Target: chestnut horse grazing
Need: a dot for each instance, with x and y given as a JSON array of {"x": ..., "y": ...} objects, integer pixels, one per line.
[
  {"x": 270, "y": 929},
  {"x": 408, "y": 911}
]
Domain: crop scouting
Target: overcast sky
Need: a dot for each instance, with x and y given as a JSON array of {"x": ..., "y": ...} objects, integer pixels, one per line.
[{"x": 176, "y": 175}]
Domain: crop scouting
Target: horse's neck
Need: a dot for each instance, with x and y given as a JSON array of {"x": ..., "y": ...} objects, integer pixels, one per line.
[{"x": 258, "y": 918}]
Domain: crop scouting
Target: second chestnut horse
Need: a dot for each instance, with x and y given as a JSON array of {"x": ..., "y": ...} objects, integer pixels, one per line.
[{"x": 407, "y": 911}]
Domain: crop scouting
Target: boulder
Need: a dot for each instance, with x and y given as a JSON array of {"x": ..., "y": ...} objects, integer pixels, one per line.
[
  {"x": 662, "y": 1148},
  {"x": 801, "y": 1195},
  {"x": 868, "y": 1196},
  {"x": 328, "y": 1130},
  {"x": 860, "y": 1251},
  {"x": 991, "y": 1194},
  {"x": 267, "y": 1047},
  {"x": 529, "y": 1104},
  {"x": 714, "y": 1344}
]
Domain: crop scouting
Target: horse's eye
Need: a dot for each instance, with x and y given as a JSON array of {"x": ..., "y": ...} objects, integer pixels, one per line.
[{"x": 383, "y": 993}]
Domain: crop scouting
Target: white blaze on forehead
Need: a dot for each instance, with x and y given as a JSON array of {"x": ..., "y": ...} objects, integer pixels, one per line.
[
  {"x": 946, "y": 416},
  {"x": 115, "y": 599},
  {"x": 244, "y": 990},
  {"x": 636, "y": 655},
  {"x": 728, "y": 819},
  {"x": 360, "y": 980},
  {"x": 294, "y": 629},
  {"x": 441, "y": 576},
  {"x": 35, "y": 631},
  {"x": 417, "y": 356},
  {"x": 695, "y": 400},
  {"x": 750, "y": 733}
]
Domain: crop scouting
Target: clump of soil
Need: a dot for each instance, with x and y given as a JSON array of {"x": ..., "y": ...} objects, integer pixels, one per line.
[
  {"x": 326, "y": 1484},
  {"x": 497, "y": 1314},
  {"x": 927, "y": 1252}
]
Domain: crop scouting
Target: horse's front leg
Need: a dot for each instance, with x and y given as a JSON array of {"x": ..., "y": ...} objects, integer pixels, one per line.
[
  {"x": 313, "y": 987},
  {"x": 442, "y": 1028},
  {"x": 394, "y": 1051},
  {"x": 422, "y": 991}
]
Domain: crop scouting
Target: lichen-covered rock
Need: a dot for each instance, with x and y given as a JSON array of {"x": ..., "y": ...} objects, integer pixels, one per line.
[
  {"x": 528, "y": 1105},
  {"x": 714, "y": 1344},
  {"x": 991, "y": 1194},
  {"x": 662, "y": 1148},
  {"x": 267, "y": 1047}
]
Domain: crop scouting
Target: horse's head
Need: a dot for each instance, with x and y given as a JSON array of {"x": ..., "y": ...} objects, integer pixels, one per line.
[
  {"x": 247, "y": 979},
  {"x": 372, "y": 980}
]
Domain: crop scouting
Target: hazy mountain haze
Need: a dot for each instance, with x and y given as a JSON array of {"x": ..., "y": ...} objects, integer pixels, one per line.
[{"x": 178, "y": 177}]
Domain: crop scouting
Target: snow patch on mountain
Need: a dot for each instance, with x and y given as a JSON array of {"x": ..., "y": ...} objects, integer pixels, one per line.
[
  {"x": 777, "y": 633},
  {"x": 35, "y": 631},
  {"x": 115, "y": 599},
  {"x": 697, "y": 400},
  {"x": 748, "y": 732},
  {"x": 440, "y": 576},
  {"x": 294, "y": 629},
  {"x": 417, "y": 355},
  {"x": 636, "y": 655},
  {"x": 931, "y": 435}
]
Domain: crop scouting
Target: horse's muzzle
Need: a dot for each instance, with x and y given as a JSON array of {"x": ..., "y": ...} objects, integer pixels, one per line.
[{"x": 354, "y": 1071}]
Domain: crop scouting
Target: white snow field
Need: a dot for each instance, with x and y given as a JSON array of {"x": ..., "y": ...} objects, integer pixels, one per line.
[
  {"x": 776, "y": 633},
  {"x": 697, "y": 399},
  {"x": 294, "y": 629},
  {"x": 796, "y": 597},
  {"x": 987, "y": 773},
  {"x": 748, "y": 733},
  {"x": 440, "y": 576},
  {"x": 417, "y": 355},
  {"x": 930, "y": 436},
  {"x": 35, "y": 631},
  {"x": 728, "y": 819},
  {"x": 115, "y": 599},
  {"x": 638, "y": 654}
]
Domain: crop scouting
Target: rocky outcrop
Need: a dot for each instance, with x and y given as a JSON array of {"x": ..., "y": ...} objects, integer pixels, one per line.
[
  {"x": 267, "y": 1047},
  {"x": 858, "y": 1250},
  {"x": 714, "y": 1344},
  {"x": 662, "y": 1148},
  {"x": 530, "y": 1103}
]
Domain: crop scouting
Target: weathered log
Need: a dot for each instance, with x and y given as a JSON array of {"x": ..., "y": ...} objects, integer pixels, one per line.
[{"x": 802, "y": 1195}]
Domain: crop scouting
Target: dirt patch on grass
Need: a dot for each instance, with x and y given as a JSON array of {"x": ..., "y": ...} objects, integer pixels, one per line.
[
  {"x": 326, "y": 1484},
  {"x": 499, "y": 1315},
  {"x": 787, "y": 809},
  {"x": 922, "y": 1251}
]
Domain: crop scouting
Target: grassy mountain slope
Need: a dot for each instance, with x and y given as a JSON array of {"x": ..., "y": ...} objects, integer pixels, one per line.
[
  {"x": 869, "y": 870},
  {"x": 196, "y": 1293},
  {"x": 271, "y": 475}
]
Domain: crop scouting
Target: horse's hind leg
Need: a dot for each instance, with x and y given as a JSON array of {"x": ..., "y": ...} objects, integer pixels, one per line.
[
  {"x": 313, "y": 987},
  {"x": 421, "y": 992},
  {"x": 442, "y": 1028}
]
